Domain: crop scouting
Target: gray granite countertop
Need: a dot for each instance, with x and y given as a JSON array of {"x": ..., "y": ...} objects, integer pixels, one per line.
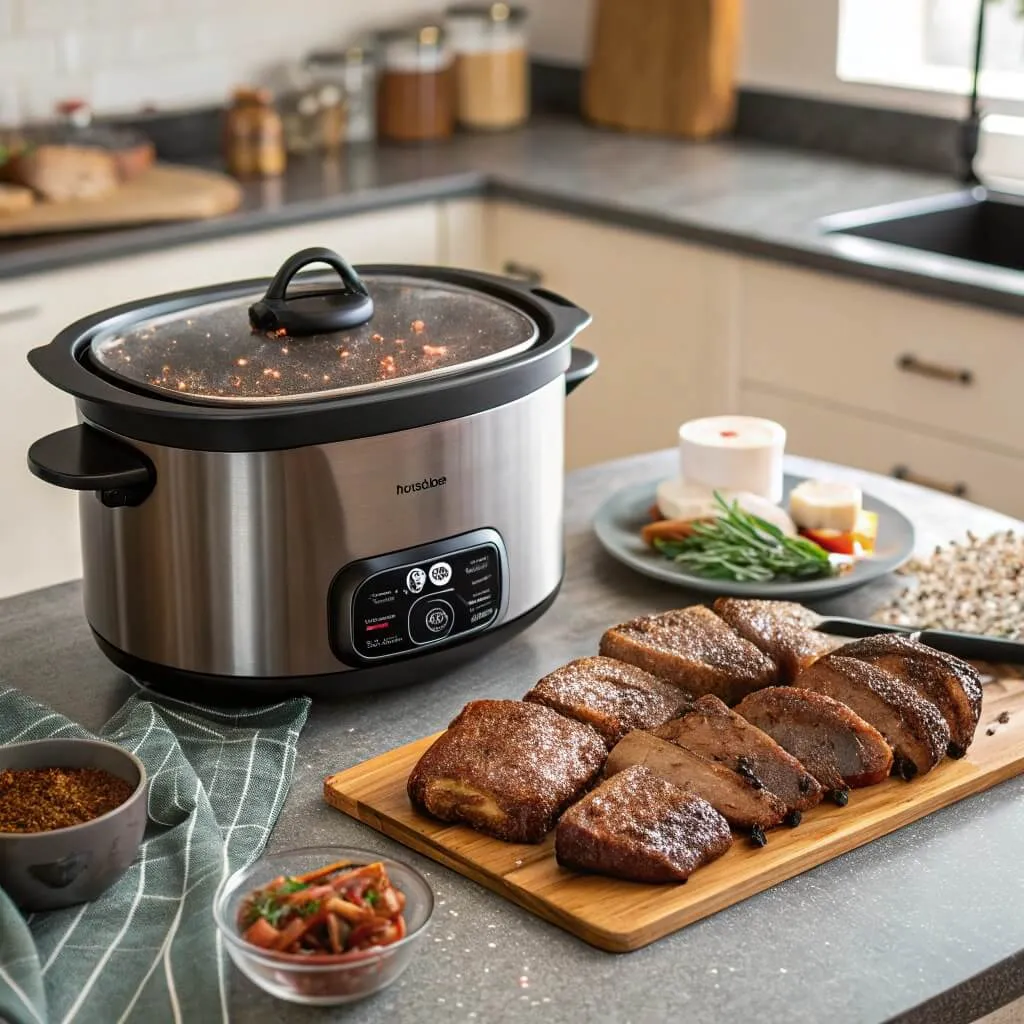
[
  {"x": 923, "y": 925},
  {"x": 740, "y": 196}
]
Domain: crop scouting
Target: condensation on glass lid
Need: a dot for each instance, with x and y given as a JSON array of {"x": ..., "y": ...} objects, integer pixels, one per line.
[{"x": 420, "y": 328}]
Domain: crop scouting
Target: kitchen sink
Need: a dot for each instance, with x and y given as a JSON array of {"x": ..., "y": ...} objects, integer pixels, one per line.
[{"x": 976, "y": 224}]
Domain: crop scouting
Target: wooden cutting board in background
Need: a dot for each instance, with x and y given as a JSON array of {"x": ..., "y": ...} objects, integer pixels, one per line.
[
  {"x": 166, "y": 192},
  {"x": 621, "y": 916},
  {"x": 666, "y": 66}
]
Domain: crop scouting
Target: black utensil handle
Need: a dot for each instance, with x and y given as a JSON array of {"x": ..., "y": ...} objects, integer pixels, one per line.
[
  {"x": 974, "y": 648},
  {"x": 316, "y": 312},
  {"x": 82, "y": 458},
  {"x": 581, "y": 366}
]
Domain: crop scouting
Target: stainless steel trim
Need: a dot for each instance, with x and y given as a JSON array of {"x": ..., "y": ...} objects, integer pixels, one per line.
[{"x": 225, "y": 568}]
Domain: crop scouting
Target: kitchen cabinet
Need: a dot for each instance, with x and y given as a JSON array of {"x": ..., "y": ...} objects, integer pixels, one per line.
[
  {"x": 663, "y": 324},
  {"x": 819, "y": 430},
  {"x": 39, "y": 543},
  {"x": 883, "y": 380}
]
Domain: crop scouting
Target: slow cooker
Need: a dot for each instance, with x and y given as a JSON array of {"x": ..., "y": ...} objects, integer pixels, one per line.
[{"x": 339, "y": 481}]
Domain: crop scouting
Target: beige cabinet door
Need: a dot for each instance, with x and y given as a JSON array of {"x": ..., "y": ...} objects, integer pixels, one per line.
[{"x": 662, "y": 324}]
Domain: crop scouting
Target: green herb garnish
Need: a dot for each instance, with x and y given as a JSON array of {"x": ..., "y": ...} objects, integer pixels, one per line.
[
  {"x": 745, "y": 548},
  {"x": 291, "y": 885},
  {"x": 309, "y": 908},
  {"x": 371, "y": 896},
  {"x": 267, "y": 907}
]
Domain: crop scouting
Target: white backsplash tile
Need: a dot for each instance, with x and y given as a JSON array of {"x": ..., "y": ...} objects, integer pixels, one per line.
[{"x": 121, "y": 55}]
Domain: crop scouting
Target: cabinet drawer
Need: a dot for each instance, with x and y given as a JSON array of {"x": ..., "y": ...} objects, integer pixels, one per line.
[
  {"x": 925, "y": 362},
  {"x": 823, "y": 432}
]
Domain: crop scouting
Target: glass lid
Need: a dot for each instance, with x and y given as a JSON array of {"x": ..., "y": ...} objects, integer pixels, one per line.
[{"x": 320, "y": 339}]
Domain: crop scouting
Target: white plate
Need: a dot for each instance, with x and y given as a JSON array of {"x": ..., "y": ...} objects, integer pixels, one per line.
[{"x": 618, "y": 522}]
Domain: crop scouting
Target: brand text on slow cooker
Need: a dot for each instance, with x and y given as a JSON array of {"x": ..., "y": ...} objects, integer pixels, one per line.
[{"x": 426, "y": 484}]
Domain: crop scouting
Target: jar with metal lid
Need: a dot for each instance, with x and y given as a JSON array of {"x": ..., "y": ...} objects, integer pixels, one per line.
[
  {"x": 416, "y": 99},
  {"x": 254, "y": 136},
  {"x": 492, "y": 65},
  {"x": 354, "y": 72}
]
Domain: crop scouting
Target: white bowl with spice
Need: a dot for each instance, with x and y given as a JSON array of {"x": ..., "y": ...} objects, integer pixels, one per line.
[{"x": 72, "y": 816}]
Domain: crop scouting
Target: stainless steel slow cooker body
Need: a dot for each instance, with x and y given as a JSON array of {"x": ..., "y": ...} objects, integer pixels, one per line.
[{"x": 334, "y": 544}]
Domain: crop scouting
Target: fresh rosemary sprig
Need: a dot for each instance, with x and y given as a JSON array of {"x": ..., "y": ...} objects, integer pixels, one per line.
[{"x": 744, "y": 548}]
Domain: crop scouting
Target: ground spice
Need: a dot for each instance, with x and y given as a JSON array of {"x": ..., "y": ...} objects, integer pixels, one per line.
[{"x": 43, "y": 799}]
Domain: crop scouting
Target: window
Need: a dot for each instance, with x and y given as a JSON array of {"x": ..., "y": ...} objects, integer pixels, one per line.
[{"x": 928, "y": 45}]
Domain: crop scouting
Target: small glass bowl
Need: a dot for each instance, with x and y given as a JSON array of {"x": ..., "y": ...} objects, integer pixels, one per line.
[{"x": 325, "y": 980}]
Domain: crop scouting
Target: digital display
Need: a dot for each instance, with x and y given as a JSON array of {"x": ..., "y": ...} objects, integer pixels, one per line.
[{"x": 419, "y": 603}]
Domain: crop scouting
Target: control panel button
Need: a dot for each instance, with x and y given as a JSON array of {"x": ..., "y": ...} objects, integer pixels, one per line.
[
  {"x": 416, "y": 580},
  {"x": 440, "y": 574},
  {"x": 430, "y": 619}
]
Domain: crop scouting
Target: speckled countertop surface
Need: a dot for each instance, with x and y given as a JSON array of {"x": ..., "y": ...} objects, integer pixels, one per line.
[
  {"x": 739, "y": 196},
  {"x": 921, "y": 926}
]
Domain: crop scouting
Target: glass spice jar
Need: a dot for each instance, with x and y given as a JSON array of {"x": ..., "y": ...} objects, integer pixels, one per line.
[
  {"x": 416, "y": 101},
  {"x": 492, "y": 65},
  {"x": 254, "y": 136},
  {"x": 354, "y": 72}
]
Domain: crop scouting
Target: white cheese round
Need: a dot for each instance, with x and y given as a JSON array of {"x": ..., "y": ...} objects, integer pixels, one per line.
[
  {"x": 678, "y": 499},
  {"x": 826, "y": 505},
  {"x": 733, "y": 453}
]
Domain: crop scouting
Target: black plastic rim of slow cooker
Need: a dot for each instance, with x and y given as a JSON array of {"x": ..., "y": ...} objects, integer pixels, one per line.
[{"x": 137, "y": 416}]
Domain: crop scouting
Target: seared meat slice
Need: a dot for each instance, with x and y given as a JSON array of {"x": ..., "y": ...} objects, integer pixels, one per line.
[
  {"x": 609, "y": 695},
  {"x": 911, "y": 725},
  {"x": 952, "y": 685},
  {"x": 506, "y": 768},
  {"x": 737, "y": 799},
  {"x": 694, "y": 649},
  {"x": 782, "y": 629},
  {"x": 709, "y": 728},
  {"x": 639, "y": 827},
  {"x": 833, "y": 743}
]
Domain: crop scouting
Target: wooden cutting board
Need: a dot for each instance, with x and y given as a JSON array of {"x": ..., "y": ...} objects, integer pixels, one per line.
[
  {"x": 166, "y": 192},
  {"x": 622, "y": 916}
]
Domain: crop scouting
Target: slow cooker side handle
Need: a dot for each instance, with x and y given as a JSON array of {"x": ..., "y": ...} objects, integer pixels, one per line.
[
  {"x": 581, "y": 365},
  {"x": 82, "y": 458}
]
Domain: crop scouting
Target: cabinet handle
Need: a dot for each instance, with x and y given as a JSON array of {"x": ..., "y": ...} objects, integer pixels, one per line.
[
  {"x": 959, "y": 489},
  {"x": 529, "y": 275},
  {"x": 936, "y": 371},
  {"x": 16, "y": 313}
]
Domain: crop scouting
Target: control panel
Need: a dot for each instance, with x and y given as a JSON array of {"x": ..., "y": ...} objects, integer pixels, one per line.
[{"x": 409, "y": 600}]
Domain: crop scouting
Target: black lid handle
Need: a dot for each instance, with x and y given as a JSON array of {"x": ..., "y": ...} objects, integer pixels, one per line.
[{"x": 312, "y": 312}]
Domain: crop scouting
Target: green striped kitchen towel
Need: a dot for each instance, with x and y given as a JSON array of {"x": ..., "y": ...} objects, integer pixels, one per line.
[{"x": 147, "y": 949}]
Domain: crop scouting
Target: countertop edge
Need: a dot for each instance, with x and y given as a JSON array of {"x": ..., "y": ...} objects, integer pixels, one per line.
[{"x": 818, "y": 254}]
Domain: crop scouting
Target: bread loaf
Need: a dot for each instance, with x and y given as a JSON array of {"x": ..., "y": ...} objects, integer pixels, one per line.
[{"x": 60, "y": 173}]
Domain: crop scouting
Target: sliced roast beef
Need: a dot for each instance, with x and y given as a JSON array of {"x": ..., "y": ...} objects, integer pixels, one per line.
[
  {"x": 637, "y": 825},
  {"x": 709, "y": 728},
  {"x": 834, "y": 743},
  {"x": 781, "y": 629},
  {"x": 911, "y": 725},
  {"x": 694, "y": 649},
  {"x": 738, "y": 800},
  {"x": 952, "y": 685}
]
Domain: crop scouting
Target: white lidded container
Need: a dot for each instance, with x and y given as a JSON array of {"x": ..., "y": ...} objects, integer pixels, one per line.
[{"x": 733, "y": 453}]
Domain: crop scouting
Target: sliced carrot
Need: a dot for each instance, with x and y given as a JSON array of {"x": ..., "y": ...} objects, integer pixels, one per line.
[
  {"x": 315, "y": 876},
  {"x": 262, "y": 933}
]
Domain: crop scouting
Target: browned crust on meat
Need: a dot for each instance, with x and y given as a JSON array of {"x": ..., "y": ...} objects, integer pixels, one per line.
[
  {"x": 781, "y": 629},
  {"x": 694, "y": 649},
  {"x": 640, "y": 827},
  {"x": 506, "y": 768},
  {"x": 741, "y": 804},
  {"x": 952, "y": 685},
  {"x": 822, "y": 725},
  {"x": 610, "y": 696},
  {"x": 712, "y": 730},
  {"x": 913, "y": 726}
]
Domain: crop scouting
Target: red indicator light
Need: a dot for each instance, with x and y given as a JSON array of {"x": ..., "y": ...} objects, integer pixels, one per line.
[{"x": 378, "y": 625}]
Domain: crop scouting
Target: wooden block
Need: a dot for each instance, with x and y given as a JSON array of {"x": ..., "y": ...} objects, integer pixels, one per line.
[
  {"x": 665, "y": 66},
  {"x": 621, "y": 916}
]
